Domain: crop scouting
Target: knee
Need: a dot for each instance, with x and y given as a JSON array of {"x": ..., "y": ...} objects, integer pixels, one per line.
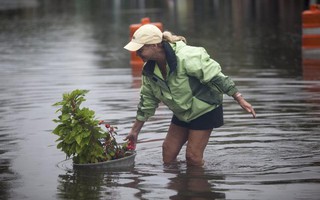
[
  {"x": 165, "y": 146},
  {"x": 194, "y": 159}
]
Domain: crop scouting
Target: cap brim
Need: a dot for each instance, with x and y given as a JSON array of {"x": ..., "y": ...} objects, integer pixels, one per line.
[{"x": 132, "y": 46}]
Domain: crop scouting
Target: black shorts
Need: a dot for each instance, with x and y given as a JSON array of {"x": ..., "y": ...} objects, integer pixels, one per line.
[{"x": 209, "y": 120}]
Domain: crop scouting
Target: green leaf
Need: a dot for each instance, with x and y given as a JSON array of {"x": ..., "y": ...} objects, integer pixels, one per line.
[
  {"x": 78, "y": 139},
  {"x": 59, "y": 146},
  {"x": 85, "y": 141},
  {"x": 56, "y": 120},
  {"x": 65, "y": 117},
  {"x": 78, "y": 149},
  {"x": 86, "y": 134}
]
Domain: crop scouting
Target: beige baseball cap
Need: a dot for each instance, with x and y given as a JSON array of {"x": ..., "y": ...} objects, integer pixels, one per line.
[{"x": 146, "y": 34}]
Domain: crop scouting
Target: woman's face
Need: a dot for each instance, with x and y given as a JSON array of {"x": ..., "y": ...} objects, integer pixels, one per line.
[{"x": 147, "y": 52}]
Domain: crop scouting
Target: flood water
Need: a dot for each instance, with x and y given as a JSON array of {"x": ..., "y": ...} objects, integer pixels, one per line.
[{"x": 48, "y": 47}]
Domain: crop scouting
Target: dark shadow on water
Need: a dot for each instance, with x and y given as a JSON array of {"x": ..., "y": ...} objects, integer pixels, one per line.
[
  {"x": 192, "y": 183},
  {"x": 80, "y": 185},
  {"x": 186, "y": 183},
  {"x": 7, "y": 176},
  {"x": 89, "y": 184}
]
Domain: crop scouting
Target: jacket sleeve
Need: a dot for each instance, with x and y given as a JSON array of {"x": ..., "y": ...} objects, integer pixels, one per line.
[
  {"x": 208, "y": 71},
  {"x": 148, "y": 102}
]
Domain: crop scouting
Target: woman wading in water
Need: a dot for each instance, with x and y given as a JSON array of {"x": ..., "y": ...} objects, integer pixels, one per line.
[{"x": 189, "y": 83}]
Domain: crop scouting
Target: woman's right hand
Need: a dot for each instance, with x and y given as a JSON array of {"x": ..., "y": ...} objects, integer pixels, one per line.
[
  {"x": 132, "y": 140},
  {"x": 132, "y": 137}
]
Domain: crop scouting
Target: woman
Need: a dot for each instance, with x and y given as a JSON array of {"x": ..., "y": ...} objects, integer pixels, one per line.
[{"x": 186, "y": 80}]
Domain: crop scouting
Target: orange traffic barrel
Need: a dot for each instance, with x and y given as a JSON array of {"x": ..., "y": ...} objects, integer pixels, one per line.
[
  {"x": 311, "y": 27},
  {"x": 311, "y": 69},
  {"x": 135, "y": 61},
  {"x": 311, "y": 43}
]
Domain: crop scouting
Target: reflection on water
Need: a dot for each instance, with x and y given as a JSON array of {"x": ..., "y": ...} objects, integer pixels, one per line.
[
  {"x": 51, "y": 47},
  {"x": 80, "y": 184},
  {"x": 194, "y": 183},
  {"x": 175, "y": 181}
]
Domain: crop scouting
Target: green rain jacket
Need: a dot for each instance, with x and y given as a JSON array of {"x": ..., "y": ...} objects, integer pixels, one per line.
[{"x": 194, "y": 85}]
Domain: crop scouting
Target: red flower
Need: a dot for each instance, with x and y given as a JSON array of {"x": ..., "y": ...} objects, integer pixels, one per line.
[{"x": 131, "y": 145}]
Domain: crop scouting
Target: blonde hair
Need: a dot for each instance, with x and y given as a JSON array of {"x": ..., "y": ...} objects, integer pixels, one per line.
[{"x": 169, "y": 37}]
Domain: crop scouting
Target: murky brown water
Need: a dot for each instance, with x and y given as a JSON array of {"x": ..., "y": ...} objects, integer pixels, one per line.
[{"x": 51, "y": 47}]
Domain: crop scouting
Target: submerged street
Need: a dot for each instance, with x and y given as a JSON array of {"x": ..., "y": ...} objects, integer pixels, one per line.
[{"x": 51, "y": 47}]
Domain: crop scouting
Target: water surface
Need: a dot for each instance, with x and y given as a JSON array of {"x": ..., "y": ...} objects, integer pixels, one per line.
[{"x": 51, "y": 47}]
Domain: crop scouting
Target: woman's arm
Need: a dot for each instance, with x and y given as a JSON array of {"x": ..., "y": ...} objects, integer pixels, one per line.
[{"x": 135, "y": 130}]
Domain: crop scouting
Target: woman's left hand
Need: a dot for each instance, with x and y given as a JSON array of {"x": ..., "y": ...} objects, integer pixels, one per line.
[{"x": 245, "y": 105}]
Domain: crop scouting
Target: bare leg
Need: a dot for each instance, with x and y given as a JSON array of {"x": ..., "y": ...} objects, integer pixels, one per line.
[
  {"x": 197, "y": 142},
  {"x": 175, "y": 139}
]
